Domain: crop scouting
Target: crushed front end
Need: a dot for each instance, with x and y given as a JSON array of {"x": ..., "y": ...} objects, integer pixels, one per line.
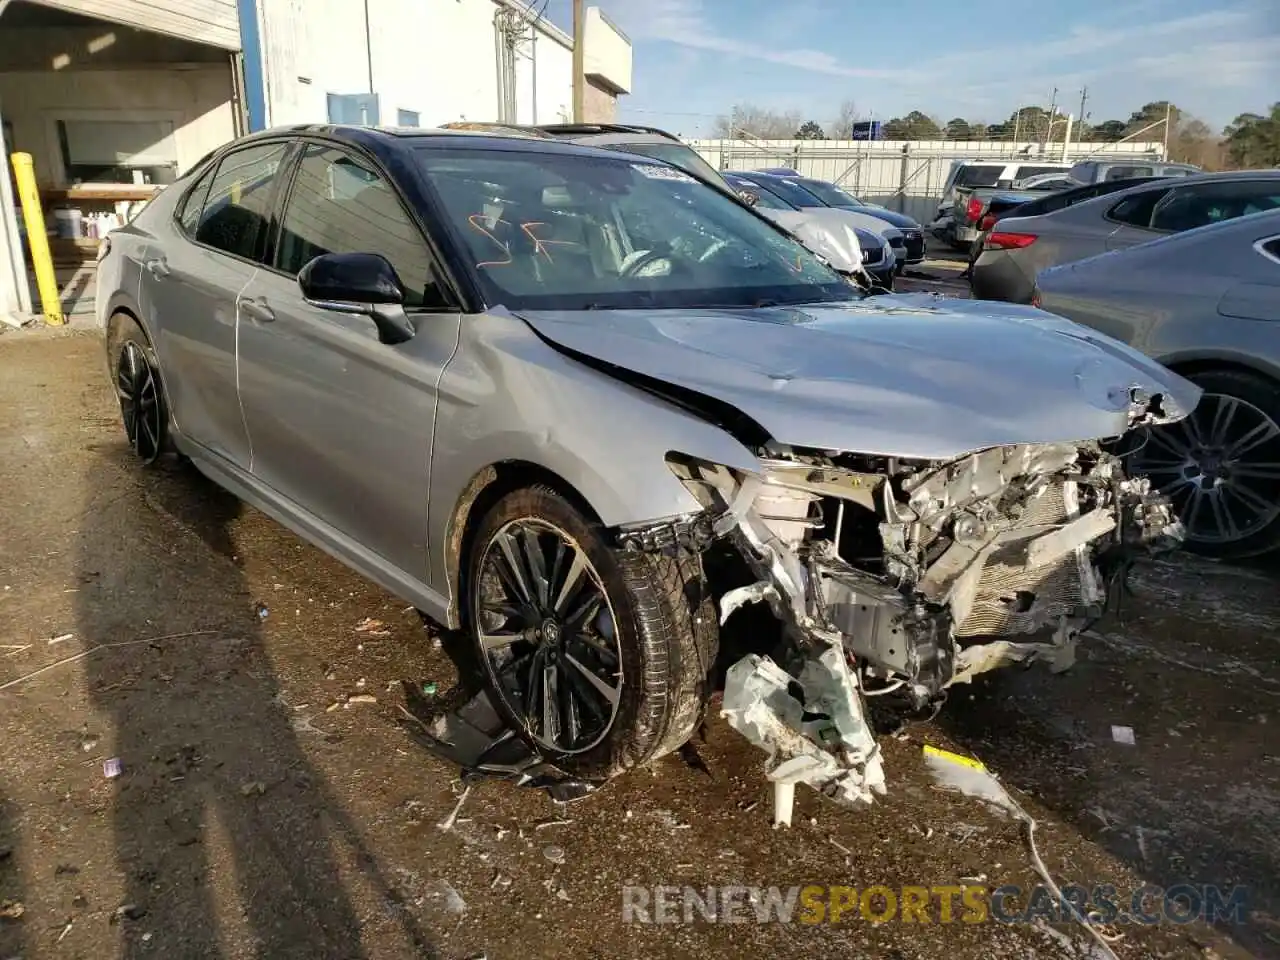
[{"x": 904, "y": 577}]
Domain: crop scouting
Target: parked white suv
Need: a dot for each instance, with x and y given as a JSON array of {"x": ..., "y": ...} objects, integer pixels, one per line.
[{"x": 992, "y": 173}]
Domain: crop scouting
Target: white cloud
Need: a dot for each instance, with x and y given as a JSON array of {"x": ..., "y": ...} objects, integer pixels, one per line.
[{"x": 683, "y": 22}]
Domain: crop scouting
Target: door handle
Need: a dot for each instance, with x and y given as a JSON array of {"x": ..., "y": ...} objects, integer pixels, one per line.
[
  {"x": 257, "y": 309},
  {"x": 157, "y": 268}
]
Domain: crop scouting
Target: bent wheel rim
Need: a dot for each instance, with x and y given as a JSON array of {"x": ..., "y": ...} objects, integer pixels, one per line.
[
  {"x": 1220, "y": 466},
  {"x": 139, "y": 394},
  {"x": 548, "y": 635}
]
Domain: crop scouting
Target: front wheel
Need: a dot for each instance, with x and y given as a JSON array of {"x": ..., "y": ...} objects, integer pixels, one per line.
[
  {"x": 598, "y": 657},
  {"x": 1221, "y": 465}
]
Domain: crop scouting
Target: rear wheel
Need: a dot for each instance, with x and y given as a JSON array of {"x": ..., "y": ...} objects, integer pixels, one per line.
[
  {"x": 139, "y": 390},
  {"x": 1221, "y": 465},
  {"x": 599, "y": 658}
]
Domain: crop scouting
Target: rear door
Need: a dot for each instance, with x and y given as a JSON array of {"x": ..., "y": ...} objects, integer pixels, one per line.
[
  {"x": 342, "y": 423},
  {"x": 191, "y": 280}
]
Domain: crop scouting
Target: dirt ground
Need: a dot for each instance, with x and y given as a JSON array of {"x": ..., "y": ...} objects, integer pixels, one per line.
[{"x": 252, "y": 818}]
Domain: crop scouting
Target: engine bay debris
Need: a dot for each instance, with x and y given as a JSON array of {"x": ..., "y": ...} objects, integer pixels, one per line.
[{"x": 902, "y": 578}]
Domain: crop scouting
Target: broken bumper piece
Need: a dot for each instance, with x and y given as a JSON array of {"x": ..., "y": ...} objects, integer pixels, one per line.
[{"x": 823, "y": 740}]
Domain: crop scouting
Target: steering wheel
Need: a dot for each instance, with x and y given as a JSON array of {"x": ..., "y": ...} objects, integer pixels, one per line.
[{"x": 633, "y": 268}]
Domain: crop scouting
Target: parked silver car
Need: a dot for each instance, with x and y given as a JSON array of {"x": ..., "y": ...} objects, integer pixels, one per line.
[
  {"x": 1019, "y": 247},
  {"x": 572, "y": 400},
  {"x": 1206, "y": 303}
]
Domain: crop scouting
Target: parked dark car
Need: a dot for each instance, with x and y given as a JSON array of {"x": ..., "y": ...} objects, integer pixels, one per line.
[
  {"x": 803, "y": 192},
  {"x": 833, "y": 195},
  {"x": 878, "y": 257},
  {"x": 1205, "y": 303},
  {"x": 989, "y": 285}
]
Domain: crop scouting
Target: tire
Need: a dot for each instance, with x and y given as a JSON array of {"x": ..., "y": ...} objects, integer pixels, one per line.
[
  {"x": 135, "y": 374},
  {"x": 1255, "y": 404},
  {"x": 665, "y": 637}
]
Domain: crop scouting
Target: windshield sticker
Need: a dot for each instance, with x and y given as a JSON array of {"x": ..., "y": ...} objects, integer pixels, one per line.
[{"x": 662, "y": 173}]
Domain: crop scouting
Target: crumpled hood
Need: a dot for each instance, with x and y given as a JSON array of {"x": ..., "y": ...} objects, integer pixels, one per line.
[{"x": 915, "y": 376}]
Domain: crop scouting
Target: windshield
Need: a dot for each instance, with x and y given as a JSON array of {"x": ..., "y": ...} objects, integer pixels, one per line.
[
  {"x": 566, "y": 231},
  {"x": 678, "y": 155},
  {"x": 830, "y": 194},
  {"x": 766, "y": 201},
  {"x": 788, "y": 190}
]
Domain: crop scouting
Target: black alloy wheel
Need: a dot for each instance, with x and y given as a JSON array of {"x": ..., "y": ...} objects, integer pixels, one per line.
[
  {"x": 549, "y": 635},
  {"x": 141, "y": 403},
  {"x": 1220, "y": 466}
]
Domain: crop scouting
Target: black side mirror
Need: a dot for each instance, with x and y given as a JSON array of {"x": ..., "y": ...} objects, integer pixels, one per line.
[
  {"x": 749, "y": 198},
  {"x": 363, "y": 283}
]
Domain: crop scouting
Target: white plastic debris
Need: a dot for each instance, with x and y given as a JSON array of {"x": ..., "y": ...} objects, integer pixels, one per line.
[
  {"x": 836, "y": 755},
  {"x": 1123, "y": 735},
  {"x": 967, "y": 776}
]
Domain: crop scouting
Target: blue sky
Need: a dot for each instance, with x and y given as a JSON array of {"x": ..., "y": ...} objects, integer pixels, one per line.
[{"x": 694, "y": 59}]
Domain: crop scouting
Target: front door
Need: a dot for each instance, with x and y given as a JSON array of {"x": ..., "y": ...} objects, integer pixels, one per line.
[
  {"x": 192, "y": 277},
  {"x": 341, "y": 423}
]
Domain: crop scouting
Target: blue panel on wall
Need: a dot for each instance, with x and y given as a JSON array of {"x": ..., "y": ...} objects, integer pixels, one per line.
[
  {"x": 408, "y": 118},
  {"x": 255, "y": 93},
  {"x": 356, "y": 108}
]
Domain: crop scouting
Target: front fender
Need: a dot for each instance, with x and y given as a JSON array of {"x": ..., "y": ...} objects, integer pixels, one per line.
[{"x": 508, "y": 396}]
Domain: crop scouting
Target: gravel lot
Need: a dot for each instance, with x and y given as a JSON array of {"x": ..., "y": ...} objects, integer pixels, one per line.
[{"x": 253, "y": 818}]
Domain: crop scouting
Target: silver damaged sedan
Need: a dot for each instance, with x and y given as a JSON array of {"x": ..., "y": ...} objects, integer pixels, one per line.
[{"x": 583, "y": 408}]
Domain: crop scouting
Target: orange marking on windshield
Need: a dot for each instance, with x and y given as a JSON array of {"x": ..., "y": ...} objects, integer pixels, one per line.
[
  {"x": 474, "y": 220},
  {"x": 540, "y": 245}
]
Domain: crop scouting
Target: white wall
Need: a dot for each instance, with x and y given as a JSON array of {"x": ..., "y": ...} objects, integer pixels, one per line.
[
  {"x": 196, "y": 100},
  {"x": 553, "y": 83},
  {"x": 437, "y": 58},
  {"x": 606, "y": 52}
]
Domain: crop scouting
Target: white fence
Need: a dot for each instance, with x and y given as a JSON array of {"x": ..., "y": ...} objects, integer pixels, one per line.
[{"x": 906, "y": 176}]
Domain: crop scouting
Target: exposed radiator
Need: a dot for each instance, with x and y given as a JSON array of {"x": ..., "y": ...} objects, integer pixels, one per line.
[{"x": 1006, "y": 588}]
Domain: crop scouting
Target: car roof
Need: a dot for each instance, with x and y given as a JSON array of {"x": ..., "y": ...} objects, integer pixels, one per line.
[{"x": 495, "y": 137}]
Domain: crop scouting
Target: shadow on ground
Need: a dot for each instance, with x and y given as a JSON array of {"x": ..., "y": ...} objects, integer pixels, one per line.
[
  {"x": 11, "y": 901},
  {"x": 223, "y": 831}
]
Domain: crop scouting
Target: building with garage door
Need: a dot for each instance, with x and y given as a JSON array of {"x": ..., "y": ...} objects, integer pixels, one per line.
[{"x": 116, "y": 98}]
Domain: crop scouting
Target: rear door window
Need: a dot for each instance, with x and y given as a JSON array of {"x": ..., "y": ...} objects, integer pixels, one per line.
[
  {"x": 237, "y": 211},
  {"x": 1124, "y": 173},
  {"x": 1199, "y": 205},
  {"x": 1024, "y": 170},
  {"x": 1136, "y": 209}
]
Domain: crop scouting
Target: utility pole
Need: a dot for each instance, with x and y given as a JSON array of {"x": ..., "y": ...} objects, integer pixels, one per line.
[
  {"x": 1168, "y": 111},
  {"x": 1053, "y": 112},
  {"x": 579, "y": 62},
  {"x": 1084, "y": 98}
]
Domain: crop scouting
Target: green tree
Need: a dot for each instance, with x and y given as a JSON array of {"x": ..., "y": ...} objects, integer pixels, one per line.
[
  {"x": 1108, "y": 131},
  {"x": 914, "y": 126},
  {"x": 1253, "y": 140},
  {"x": 1155, "y": 112},
  {"x": 1025, "y": 123},
  {"x": 958, "y": 128},
  {"x": 811, "y": 130}
]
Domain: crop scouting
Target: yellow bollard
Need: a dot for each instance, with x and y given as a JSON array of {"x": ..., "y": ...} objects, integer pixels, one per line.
[{"x": 33, "y": 215}]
